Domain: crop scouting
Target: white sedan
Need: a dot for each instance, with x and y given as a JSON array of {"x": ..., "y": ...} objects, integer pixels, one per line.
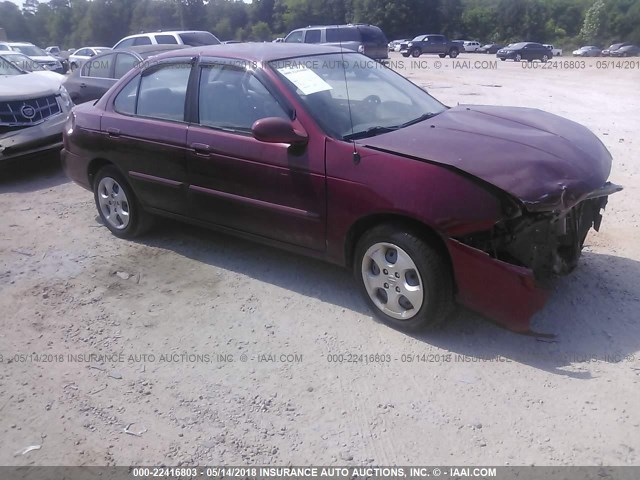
[{"x": 77, "y": 58}]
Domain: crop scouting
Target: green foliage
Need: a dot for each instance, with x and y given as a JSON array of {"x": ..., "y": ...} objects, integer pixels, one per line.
[{"x": 74, "y": 23}]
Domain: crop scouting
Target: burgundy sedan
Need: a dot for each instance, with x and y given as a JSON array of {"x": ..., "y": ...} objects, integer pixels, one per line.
[{"x": 329, "y": 154}]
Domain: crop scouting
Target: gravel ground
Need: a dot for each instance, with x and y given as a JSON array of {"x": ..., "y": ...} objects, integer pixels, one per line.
[{"x": 219, "y": 349}]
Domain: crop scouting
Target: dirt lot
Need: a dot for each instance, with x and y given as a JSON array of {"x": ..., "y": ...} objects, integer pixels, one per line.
[{"x": 220, "y": 348}]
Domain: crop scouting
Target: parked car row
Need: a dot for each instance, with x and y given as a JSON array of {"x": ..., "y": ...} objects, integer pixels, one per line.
[
  {"x": 37, "y": 54},
  {"x": 615, "y": 50},
  {"x": 34, "y": 100}
]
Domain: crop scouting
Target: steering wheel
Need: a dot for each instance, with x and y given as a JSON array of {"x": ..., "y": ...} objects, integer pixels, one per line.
[{"x": 373, "y": 99}]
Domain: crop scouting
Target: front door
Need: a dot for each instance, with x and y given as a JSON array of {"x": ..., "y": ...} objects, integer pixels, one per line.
[{"x": 266, "y": 189}]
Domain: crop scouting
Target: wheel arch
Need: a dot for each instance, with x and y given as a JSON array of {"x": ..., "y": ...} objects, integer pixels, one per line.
[
  {"x": 424, "y": 231},
  {"x": 95, "y": 166}
]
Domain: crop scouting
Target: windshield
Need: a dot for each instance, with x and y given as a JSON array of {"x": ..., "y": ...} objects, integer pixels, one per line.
[
  {"x": 24, "y": 62},
  {"x": 8, "y": 68},
  {"x": 352, "y": 96},
  {"x": 30, "y": 50}
]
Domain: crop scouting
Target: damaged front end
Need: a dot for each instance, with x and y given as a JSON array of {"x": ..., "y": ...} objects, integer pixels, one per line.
[{"x": 520, "y": 255}]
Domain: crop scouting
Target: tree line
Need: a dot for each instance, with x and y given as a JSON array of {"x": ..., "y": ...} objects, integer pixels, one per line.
[{"x": 76, "y": 23}]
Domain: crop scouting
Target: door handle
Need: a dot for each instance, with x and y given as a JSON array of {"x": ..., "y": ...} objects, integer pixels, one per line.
[
  {"x": 113, "y": 132},
  {"x": 201, "y": 149}
]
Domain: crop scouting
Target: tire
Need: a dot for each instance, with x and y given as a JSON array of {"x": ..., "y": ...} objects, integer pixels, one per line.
[
  {"x": 112, "y": 193},
  {"x": 405, "y": 54},
  {"x": 442, "y": 55},
  {"x": 453, "y": 53},
  {"x": 414, "y": 268},
  {"x": 503, "y": 59},
  {"x": 73, "y": 67},
  {"x": 545, "y": 59},
  {"x": 416, "y": 52},
  {"x": 518, "y": 57}
]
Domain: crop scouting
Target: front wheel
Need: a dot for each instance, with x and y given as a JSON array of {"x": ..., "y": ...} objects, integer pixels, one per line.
[
  {"x": 442, "y": 55},
  {"x": 453, "y": 53},
  {"x": 118, "y": 206},
  {"x": 416, "y": 52},
  {"x": 544, "y": 59},
  {"x": 405, "y": 280},
  {"x": 518, "y": 57}
]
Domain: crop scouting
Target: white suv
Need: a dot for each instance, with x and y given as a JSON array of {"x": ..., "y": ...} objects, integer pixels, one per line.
[
  {"x": 471, "y": 46},
  {"x": 194, "y": 38}
]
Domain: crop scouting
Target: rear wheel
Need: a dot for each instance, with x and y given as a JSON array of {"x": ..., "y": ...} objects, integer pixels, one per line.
[
  {"x": 545, "y": 58},
  {"x": 405, "y": 280},
  {"x": 518, "y": 57},
  {"x": 453, "y": 53},
  {"x": 118, "y": 206},
  {"x": 442, "y": 55}
]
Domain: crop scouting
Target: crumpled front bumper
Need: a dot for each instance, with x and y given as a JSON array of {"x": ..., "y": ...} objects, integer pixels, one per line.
[
  {"x": 506, "y": 293},
  {"x": 504, "y": 279},
  {"x": 33, "y": 140}
]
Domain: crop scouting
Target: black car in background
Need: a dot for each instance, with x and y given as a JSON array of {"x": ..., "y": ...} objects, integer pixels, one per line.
[
  {"x": 626, "y": 51},
  {"x": 99, "y": 73},
  {"x": 612, "y": 48},
  {"x": 490, "y": 48},
  {"x": 529, "y": 51}
]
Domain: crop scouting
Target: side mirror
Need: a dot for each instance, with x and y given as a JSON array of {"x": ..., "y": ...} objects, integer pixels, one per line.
[{"x": 278, "y": 130}]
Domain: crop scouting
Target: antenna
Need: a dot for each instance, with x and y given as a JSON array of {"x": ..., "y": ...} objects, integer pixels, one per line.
[{"x": 356, "y": 155}]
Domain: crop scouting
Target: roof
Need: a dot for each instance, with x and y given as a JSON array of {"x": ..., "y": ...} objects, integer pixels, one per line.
[
  {"x": 166, "y": 32},
  {"x": 148, "y": 50},
  {"x": 260, "y": 52}
]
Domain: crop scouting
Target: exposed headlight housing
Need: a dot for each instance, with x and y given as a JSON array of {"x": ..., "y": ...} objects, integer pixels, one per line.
[
  {"x": 410, "y": 44},
  {"x": 360, "y": 48}
]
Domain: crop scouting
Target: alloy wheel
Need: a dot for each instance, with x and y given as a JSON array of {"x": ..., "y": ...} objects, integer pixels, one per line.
[
  {"x": 113, "y": 203},
  {"x": 392, "y": 281}
]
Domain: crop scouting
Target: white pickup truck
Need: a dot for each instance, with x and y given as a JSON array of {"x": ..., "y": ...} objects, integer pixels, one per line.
[{"x": 557, "y": 52}]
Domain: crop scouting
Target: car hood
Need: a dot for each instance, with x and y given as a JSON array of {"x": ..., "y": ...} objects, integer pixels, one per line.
[
  {"x": 26, "y": 86},
  {"x": 544, "y": 160},
  {"x": 52, "y": 76}
]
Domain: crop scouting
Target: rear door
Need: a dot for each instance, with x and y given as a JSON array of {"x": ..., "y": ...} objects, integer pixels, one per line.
[
  {"x": 236, "y": 181},
  {"x": 96, "y": 77},
  {"x": 146, "y": 133}
]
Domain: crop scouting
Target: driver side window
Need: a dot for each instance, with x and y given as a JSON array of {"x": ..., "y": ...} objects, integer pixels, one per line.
[{"x": 233, "y": 98}]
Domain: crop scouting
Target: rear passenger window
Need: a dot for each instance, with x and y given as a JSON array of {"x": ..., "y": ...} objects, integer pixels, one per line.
[
  {"x": 166, "y": 39},
  {"x": 372, "y": 35},
  {"x": 163, "y": 91},
  {"x": 349, "y": 34},
  {"x": 124, "y": 63},
  {"x": 312, "y": 36}
]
